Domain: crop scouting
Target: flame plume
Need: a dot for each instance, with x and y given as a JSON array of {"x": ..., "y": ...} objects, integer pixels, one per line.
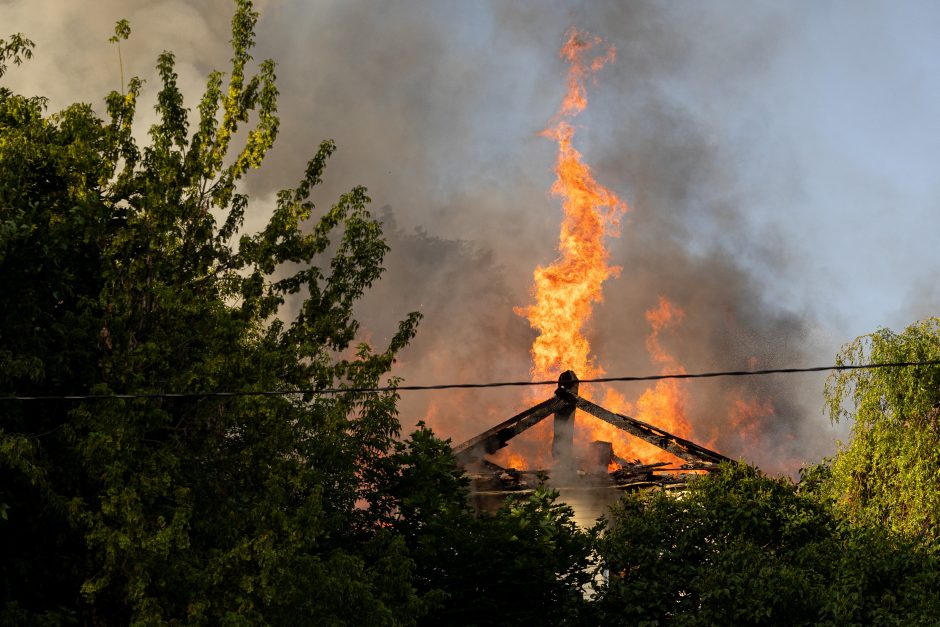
[
  {"x": 664, "y": 404},
  {"x": 566, "y": 291}
]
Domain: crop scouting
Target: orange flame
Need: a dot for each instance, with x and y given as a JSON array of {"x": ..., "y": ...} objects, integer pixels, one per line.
[
  {"x": 747, "y": 416},
  {"x": 566, "y": 290},
  {"x": 666, "y": 316},
  {"x": 663, "y": 405}
]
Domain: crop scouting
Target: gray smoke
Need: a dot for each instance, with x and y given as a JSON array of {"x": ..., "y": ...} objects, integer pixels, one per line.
[{"x": 436, "y": 108}]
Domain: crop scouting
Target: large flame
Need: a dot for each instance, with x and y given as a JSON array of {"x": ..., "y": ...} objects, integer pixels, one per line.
[
  {"x": 664, "y": 404},
  {"x": 566, "y": 291}
]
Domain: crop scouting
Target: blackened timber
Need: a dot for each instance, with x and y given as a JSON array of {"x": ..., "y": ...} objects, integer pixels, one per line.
[
  {"x": 632, "y": 471},
  {"x": 496, "y": 437},
  {"x": 680, "y": 447}
]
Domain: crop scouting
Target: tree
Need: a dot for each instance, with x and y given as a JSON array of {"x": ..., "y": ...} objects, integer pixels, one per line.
[
  {"x": 729, "y": 551},
  {"x": 527, "y": 564},
  {"x": 125, "y": 271},
  {"x": 745, "y": 549},
  {"x": 889, "y": 473}
]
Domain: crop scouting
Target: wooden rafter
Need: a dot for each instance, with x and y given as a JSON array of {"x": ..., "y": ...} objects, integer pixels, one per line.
[
  {"x": 566, "y": 400},
  {"x": 497, "y": 437},
  {"x": 680, "y": 447}
]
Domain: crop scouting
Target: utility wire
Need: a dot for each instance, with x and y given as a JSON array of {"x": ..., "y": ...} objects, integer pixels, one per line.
[{"x": 463, "y": 386}]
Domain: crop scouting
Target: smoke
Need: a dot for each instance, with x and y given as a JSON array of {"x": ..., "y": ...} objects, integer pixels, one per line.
[
  {"x": 468, "y": 333},
  {"x": 74, "y": 62},
  {"x": 436, "y": 108}
]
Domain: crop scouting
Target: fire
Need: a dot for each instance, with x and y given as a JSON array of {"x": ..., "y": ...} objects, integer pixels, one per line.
[
  {"x": 566, "y": 290},
  {"x": 747, "y": 414},
  {"x": 515, "y": 461},
  {"x": 532, "y": 449},
  {"x": 664, "y": 405},
  {"x": 665, "y": 316}
]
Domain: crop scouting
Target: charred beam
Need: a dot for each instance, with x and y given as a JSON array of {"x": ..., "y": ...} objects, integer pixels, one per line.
[
  {"x": 681, "y": 448},
  {"x": 497, "y": 437},
  {"x": 634, "y": 472}
]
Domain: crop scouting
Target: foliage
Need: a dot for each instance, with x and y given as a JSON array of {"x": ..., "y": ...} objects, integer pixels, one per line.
[
  {"x": 889, "y": 473},
  {"x": 18, "y": 49},
  {"x": 526, "y": 564},
  {"x": 540, "y": 562},
  {"x": 878, "y": 578},
  {"x": 741, "y": 548},
  {"x": 122, "y": 31},
  {"x": 125, "y": 271}
]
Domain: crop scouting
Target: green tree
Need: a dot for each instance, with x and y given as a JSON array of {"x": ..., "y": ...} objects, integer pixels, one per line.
[
  {"x": 728, "y": 551},
  {"x": 889, "y": 473},
  {"x": 740, "y": 548},
  {"x": 125, "y": 271},
  {"x": 528, "y": 564}
]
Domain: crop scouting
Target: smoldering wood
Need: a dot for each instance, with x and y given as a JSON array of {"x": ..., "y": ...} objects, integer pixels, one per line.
[
  {"x": 489, "y": 478},
  {"x": 497, "y": 437},
  {"x": 662, "y": 482},
  {"x": 636, "y": 472},
  {"x": 488, "y": 466},
  {"x": 502, "y": 480},
  {"x": 709, "y": 466},
  {"x": 680, "y": 447}
]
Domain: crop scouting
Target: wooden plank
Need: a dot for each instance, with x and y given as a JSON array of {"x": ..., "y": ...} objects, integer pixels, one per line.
[
  {"x": 641, "y": 467},
  {"x": 636, "y": 470}
]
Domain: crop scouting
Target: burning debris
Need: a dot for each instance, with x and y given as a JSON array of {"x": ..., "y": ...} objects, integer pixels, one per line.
[{"x": 600, "y": 466}]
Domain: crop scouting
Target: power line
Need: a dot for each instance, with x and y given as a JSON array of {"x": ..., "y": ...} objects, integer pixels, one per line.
[{"x": 463, "y": 386}]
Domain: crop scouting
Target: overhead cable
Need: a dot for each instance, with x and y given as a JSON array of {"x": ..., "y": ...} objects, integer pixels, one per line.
[{"x": 460, "y": 386}]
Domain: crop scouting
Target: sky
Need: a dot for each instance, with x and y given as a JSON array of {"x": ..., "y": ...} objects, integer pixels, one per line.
[{"x": 780, "y": 162}]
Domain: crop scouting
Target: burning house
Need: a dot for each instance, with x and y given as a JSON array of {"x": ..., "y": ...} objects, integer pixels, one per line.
[
  {"x": 597, "y": 466},
  {"x": 604, "y": 448}
]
